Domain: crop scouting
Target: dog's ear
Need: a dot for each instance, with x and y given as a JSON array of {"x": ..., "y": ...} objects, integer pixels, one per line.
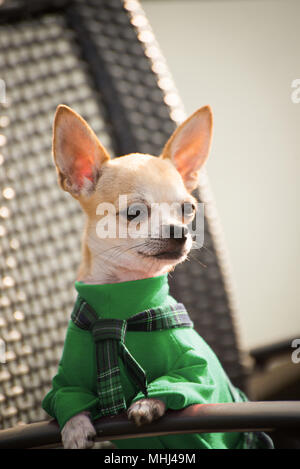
[
  {"x": 189, "y": 145},
  {"x": 77, "y": 152}
]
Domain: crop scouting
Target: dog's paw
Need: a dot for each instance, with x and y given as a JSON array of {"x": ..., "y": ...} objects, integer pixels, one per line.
[
  {"x": 146, "y": 410},
  {"x": 78, "y": 432}
]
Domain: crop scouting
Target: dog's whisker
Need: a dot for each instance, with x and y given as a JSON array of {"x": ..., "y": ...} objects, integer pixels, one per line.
[
  {"x": 120, "y": 250},
  {"x": 208, "y": 250},
  {"x": 194, "y": 258}
]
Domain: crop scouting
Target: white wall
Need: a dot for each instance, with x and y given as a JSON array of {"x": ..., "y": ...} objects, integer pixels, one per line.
[{"x": 240, "y": 56}]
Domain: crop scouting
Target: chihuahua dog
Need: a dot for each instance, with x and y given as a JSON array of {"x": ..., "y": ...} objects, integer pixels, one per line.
[{"x": 87, "y": 172}]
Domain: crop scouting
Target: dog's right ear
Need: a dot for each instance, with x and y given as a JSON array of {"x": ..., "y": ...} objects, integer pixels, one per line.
[{"x": 77, "y": 152}]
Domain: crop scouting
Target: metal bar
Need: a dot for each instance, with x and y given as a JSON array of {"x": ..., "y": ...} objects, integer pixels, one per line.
[{"x": 205, "y": 418}]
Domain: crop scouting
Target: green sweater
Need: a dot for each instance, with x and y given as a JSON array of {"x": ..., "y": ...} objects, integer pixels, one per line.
[{"x": 181, "y": 368}]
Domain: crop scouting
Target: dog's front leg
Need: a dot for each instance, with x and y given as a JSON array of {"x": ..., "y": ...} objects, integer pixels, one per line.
[
  {"x": 78, "y": 432},
  {"x": 146, "y": 410}
]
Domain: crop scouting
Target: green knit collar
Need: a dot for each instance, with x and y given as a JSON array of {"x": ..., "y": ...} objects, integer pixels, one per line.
[{"x": 123, "y": 300}]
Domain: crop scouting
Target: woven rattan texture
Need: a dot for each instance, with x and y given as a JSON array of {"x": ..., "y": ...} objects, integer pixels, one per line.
[
  {"x": 40, "y": 226},
  {"x": 45, "y": 61}
]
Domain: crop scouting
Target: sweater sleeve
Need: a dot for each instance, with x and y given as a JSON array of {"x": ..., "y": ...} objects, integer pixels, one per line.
[
  {"x": 64, "y": 400},
  {"x": 190, "y": 382},
  {"x": 71, "y": 390}
]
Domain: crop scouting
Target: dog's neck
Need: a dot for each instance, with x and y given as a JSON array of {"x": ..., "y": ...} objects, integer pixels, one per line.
[{"x": 108, "y": 276}]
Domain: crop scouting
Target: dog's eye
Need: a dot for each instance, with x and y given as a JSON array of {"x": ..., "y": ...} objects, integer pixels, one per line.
[
  {"x": 137, "y": 210},
  {"x": 188, "y": 209}
]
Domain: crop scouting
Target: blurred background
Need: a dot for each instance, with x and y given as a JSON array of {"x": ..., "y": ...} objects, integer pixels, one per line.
[
  {"x": 134, "y": 70},
  {"x": 240, "y": 57}
]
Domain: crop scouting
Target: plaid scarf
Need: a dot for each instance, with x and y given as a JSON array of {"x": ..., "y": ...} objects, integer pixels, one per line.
[{"x": 109, "y": 337}]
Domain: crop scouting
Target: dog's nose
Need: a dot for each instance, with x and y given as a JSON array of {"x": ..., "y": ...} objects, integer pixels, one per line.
[{"x": 176, "y": 232}]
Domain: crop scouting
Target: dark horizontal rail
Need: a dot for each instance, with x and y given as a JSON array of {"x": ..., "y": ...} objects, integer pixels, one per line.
[
  {"x": 265, "y": 353},
  {"x": 205, "y": 418}
]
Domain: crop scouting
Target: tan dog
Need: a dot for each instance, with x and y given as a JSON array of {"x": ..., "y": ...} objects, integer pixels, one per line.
[{"x": 87, "y": 172}]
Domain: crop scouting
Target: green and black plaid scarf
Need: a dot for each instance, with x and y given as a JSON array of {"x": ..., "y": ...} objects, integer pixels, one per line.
[{"x": 109, "y": 338}]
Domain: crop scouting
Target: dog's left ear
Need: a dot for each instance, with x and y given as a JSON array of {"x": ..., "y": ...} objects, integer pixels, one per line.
[{"x": 188, "y": 147}]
